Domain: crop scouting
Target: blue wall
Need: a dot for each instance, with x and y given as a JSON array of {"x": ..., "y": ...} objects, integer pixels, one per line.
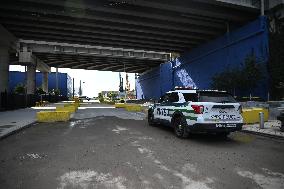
[
  {"x": 64, "y": 80},
  {"x": 197, "y": 67}
]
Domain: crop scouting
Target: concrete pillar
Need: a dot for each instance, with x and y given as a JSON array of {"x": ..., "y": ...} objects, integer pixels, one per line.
[
  {"x": 4, "y": 69},
  {"x": 45, "y": 81},
  {"x": 262, "y": 8},
  {"x": 31, "y": 79}
]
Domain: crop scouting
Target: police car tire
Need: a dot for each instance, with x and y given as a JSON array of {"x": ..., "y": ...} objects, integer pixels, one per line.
[
  {"x": 151, "y": 119},
  {"x": 179, "y": 124}
]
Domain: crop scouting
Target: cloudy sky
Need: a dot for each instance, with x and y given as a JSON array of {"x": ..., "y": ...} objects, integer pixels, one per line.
[{"x": 95, "y": 81}]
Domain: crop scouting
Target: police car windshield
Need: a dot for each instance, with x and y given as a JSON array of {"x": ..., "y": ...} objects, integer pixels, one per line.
[{"x": 218, "y": 97}]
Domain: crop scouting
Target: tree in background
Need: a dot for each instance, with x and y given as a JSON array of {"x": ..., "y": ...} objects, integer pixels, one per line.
[
  {"x": 112, "y": 95},
  {"x": 244, "y": 78},
  {"x": 20, "y": 89},
  {"x": 228, "y": 80},
  {"x": 101, "y": 98},
  {"x": 57, "y": 92},
  {"x": 39, "y": 91},
  {"x": 276, "y": 64},
  {"x": 251, "y": 74}
]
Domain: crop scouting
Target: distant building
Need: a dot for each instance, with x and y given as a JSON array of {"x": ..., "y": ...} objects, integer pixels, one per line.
[{"x": 64, "y": 81}]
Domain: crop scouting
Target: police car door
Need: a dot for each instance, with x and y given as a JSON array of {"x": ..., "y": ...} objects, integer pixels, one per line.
[
  {"x": 161, "y": 107},
  {"x": 167, "y": 105}
]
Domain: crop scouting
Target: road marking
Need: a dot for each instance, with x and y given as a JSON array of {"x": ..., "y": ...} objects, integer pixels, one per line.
[
  {"x": 90, "y": 179},
  {"x": 269, "y": 180},
  {"x": 34, "y": 156},
  {"x": 187, "y": 182},
  {"x": 83, "y": 108},
  {"x": 44, "y": 108},
  {"x": 119, "y": 129}
]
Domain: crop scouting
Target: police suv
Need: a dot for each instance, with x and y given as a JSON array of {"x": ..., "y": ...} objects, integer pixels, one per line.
[{"x": 193, "y": 110}]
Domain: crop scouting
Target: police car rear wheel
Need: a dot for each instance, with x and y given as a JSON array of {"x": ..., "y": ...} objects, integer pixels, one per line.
[{"x": 180, "y": 127}]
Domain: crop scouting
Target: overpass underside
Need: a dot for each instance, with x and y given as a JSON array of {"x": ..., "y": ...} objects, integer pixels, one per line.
[
  {"x": 114, "y": 35},
  {"x": 162, "y": 26}
]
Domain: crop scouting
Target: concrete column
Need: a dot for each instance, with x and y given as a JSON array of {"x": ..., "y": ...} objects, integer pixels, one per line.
[
  {"x": 45, "y": 81},
  {"x": 31, "y": 79},
  {"x": 262, "y": 7},
  {"x": 4, "y": 69}
]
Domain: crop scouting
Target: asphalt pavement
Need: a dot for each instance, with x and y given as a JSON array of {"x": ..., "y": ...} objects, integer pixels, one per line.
[{"x": 103, "y": 147}]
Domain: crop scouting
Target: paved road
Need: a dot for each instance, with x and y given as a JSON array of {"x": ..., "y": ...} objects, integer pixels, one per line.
[{"x": 112, "y": 148}]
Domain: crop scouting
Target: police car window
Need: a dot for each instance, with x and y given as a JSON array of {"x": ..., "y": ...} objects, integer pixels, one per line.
[
  {"x": 161, "y": 99},
  {"x": 190, "y": 97},
  {"x": 218, "y": 97},
  {"x": 166, "y": 98},
  {"x": 174, "y": 97}
]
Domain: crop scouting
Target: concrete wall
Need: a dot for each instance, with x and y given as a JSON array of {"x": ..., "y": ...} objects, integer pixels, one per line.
[{"x": 197, "y": 67}]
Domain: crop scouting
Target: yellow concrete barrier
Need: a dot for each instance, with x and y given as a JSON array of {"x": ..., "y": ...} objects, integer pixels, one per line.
[
  {"x": 251, "y": 115},
  {"x": 120, "y": 105},
  {"x": 76, "y": 105},
  {"x": 70, "y": 109},
  {"x": 133, "y": 108},
  {"x": 52, "y": 116}
]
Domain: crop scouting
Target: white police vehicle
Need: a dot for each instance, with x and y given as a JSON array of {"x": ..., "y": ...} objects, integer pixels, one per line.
[{"x": 193, "y": 110}]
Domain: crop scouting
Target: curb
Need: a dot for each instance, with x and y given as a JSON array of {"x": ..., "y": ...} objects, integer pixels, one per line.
[
  {"x": 263, "y": 134},
  {"x": 16, "y": 130},
  {"x": 19, "y": 128}
]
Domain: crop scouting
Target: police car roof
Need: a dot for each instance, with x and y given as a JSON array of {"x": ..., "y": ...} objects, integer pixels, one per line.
[{"x": 184, "y": 91}]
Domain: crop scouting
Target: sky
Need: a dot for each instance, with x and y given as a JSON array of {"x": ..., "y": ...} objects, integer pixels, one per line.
[{"x": 95, "y": 81}]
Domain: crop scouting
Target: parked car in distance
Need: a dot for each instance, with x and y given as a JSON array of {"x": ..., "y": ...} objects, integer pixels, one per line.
[{"x": 84, "y": 98}]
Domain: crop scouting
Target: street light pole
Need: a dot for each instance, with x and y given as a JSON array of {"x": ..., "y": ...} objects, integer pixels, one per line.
[
  {"x": 73, "y": 94},
  {"x": 80, "y": 89}
]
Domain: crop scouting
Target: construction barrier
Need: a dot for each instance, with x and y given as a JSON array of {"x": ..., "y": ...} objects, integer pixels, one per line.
[
  {"x": 251, "y": 115},
  {"x": 120, "y": 105},
  {"x": 76, "y": 105},
  {"x": 52, "y": 116},
  {"x": 134, "y": 108},
  {"x": 70, "y": 109}
]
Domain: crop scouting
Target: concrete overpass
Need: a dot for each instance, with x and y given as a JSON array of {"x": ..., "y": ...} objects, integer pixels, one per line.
[{"x": 111, "y": 35}]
